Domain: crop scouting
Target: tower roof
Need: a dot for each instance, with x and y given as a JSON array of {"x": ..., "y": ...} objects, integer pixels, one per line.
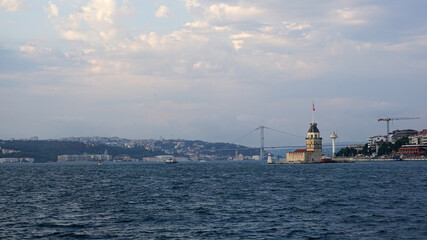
[{"x": 313, "y": 127}]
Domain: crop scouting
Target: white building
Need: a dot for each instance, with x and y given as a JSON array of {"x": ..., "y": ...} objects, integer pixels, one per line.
[
  {"x": 375, "y": 140},
  {"x": 163, "y": 158},
  {"x": 85, "y": 158},
  {"x": 16, "y": 160},
  {"x": 151, "y": 159},
  {"x": 419, "y": 139}
]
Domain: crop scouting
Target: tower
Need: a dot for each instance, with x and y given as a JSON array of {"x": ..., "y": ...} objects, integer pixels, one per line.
[
  {"x": 314, "y": 143},
  {"x": 313, "y": 151},
  {"x": 333, "y": 137},
  {"x": 261, "y": 149}
]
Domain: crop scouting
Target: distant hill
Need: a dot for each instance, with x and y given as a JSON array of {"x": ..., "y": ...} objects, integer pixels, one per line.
[{"x": 48, "y": 150}]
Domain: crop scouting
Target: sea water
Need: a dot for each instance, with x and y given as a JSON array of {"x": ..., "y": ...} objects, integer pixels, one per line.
[{"x": 214, "y": 200}]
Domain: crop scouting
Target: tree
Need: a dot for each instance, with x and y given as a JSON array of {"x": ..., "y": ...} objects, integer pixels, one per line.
[
  {"x": 347, "y": 152},
  {"x": 400, "y": 142},
  {"x": 385, "y": 148},
  {"x": 366, "y": 150}
]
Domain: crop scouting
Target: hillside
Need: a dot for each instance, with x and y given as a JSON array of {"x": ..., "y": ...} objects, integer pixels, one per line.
[{"x": 48, "y": 150}]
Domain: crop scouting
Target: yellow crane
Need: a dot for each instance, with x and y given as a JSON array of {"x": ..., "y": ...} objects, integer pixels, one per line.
[{"x": 394, "y": 119}]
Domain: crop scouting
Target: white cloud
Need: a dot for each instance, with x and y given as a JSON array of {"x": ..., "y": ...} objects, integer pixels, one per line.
[
  {"x": 204, "y": 66},
  {"x": 35, "y": 51},
  {"x": 238, "y": 44},
  {"x": 94, "y": 23},
  {"x": 52, "y": 10},
  {"x": 11, "y": 5},
  {"x": 355, "y": 16},
  {"x": 197, "y": 24},
  {"x": 152, "y": 39},
  {"x": 296, "y": 26},
  {"x": 237, "y": 40},
  {"x": 240, "y": 36},
  {"x": 224, "y": 11},
  {"x": 27, "y": 49},
  {"x": 192, "y": 3},
  {"x": 348, "y": 16},
  {"x": 162, "y": 12}
]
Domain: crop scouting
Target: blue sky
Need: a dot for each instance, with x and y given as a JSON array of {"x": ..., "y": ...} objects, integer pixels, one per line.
[{"x": 211, "y": 70}]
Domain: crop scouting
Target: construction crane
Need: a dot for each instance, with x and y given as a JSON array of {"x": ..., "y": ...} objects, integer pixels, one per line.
[{"x": 394, "y": 119}]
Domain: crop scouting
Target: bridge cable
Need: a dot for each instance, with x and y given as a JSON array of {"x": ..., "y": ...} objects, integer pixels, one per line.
[
  {"x": 286, "y": 133},
  {"x": 234, "y": 142}
]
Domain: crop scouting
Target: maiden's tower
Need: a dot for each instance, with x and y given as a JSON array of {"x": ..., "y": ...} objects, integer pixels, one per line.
[{"x": 313, "y": 151}]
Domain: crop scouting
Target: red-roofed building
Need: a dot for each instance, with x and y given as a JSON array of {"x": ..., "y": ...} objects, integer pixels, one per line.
[
  {"x": 301, "y": 150},
  {"x": 413, "y": 149}
]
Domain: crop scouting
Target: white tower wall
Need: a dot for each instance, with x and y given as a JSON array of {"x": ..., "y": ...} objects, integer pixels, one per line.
[{"x": 333, "y": 137}]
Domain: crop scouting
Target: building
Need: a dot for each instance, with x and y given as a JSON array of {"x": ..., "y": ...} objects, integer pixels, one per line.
[
  {"x": 9, "y": 151},
  {"x": 419, "y": 138},
  {"x": 85, "y": 158},
  {"x": 313, "y": 151},
  {"x": 17, "y": 160},
  {"x": 358, "y": 147},
  {"x": 151, "y": 159},
  {"x": 413, "y": 150},
  {"x": 163, "y": 158},
  {"x": 398, "y": 134},
  {"x": 376, "y": 140},
  {"x": 124, "y": 158}
]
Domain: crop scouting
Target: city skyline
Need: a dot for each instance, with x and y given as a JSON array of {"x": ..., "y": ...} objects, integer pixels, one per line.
[{"x": 211, "y": 70}]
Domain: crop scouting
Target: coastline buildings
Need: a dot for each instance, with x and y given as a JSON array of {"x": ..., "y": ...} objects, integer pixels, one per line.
[
  {"x": 394, "y": 136},
  {"x": 418, "y": 145}
]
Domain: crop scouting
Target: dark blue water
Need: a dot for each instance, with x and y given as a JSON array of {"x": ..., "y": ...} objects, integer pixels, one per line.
[{"x": 219, "y": 200}]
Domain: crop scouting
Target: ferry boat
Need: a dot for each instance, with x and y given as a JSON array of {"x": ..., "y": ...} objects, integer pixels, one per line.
[{"x": 171, "y": 160}]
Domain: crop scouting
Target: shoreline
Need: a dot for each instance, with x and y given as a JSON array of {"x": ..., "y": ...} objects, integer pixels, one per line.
[{"x": 353, "y": 160}]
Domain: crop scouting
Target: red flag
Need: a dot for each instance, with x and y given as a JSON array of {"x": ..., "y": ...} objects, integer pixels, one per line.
[{"x": 313, "y": 107}]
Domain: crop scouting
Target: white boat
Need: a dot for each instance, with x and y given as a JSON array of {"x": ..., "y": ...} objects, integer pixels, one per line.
[{"x": 171, "y": 160}]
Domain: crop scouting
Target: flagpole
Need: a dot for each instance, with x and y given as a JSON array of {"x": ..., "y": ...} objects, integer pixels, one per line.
[{"x": 313, "y": 111}]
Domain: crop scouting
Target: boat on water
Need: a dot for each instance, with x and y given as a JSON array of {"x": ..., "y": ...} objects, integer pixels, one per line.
[
  {"x": 100, "y": 162},
  {"x": 171, "y": 160}
]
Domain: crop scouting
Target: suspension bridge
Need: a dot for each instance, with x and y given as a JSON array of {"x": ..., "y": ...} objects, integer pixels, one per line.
[{"x": 262, "y": 148}]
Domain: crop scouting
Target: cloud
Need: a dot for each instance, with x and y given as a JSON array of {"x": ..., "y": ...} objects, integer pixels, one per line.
[
  {"x": 27, "y": 49},
  {"x": 349, "y": 16},
  {"x": 52, "y": 10},
  {"x": 224, "y": 11},
  {"x": 226, "y": 68},
  {"x": 162, "y": 12},
  {"x": 11, "y": 5},
  {"x": 94, "y": 23}
]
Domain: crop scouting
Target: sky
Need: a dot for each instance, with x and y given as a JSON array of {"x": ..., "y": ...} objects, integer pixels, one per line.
[{"x": 211, "y": 70}]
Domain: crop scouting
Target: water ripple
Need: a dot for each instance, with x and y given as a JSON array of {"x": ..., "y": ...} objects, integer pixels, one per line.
[{"x": 214, "y": 201}]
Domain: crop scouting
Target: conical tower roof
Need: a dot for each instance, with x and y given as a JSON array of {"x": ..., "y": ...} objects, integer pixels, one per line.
[{"x": 313, "y": 128}]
